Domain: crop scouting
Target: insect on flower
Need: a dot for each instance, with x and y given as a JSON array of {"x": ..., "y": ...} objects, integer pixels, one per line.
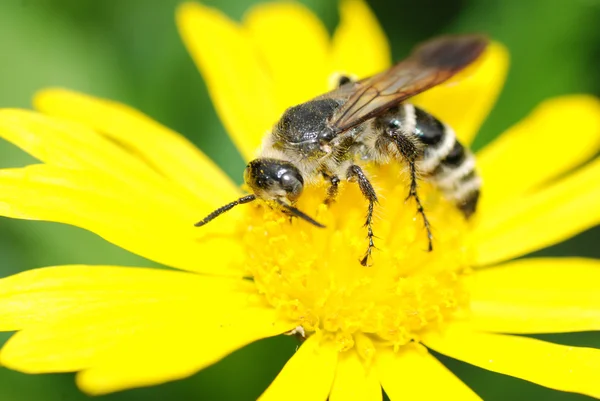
[
  {"x": 110, "y": 169},
  {"x": 330, "y": 136}
]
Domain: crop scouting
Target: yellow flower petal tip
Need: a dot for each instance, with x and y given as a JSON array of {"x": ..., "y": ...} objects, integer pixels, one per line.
[
  {"x": 288, "y": 37},
  {"x": 189, "y": 9},
  {"x": 291, "y": 12},
  {"x": 112, "y": 170},
  {"x": 234, "y": 73},
  {"x": 359, "y": 32},
  {"x": 251, "y": 65},
  {"x": 159, "y": 147},
  {"x": 314, "y": 363}
]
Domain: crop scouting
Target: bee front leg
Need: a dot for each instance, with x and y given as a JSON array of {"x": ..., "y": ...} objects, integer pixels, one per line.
[
  {"x": 356, "y": 173},
  {"x": 333, "y": 189}
]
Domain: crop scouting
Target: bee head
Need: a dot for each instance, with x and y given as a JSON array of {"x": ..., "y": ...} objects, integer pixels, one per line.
[{"x": 273, "y": 179}]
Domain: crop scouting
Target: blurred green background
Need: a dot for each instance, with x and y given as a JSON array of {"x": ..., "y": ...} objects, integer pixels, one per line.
[{"x": 129, "y": 50}]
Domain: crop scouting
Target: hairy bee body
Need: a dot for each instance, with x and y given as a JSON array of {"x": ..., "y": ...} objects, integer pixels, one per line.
[
  {"x": 440, "y": 157},
  {"x": 369, "y": 121},
  {"x": 300, "y": 137}
]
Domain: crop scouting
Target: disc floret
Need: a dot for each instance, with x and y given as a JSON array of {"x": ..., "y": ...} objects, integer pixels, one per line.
[{"x": 314, "y": 277}]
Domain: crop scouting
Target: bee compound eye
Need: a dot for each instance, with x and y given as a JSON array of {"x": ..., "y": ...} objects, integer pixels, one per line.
[
  {"x": 268, "y": 177},
  {"x": 291, "y": 183}
]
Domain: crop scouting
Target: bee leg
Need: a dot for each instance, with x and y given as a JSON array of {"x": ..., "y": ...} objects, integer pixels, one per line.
[
  {"x": 409, "y": 152},
  {"x": 292, "y": 211},
  {"x": 332, "y": 191},
  {"x": 355, "y": 172},
  {"x": 413, "y": 194}
]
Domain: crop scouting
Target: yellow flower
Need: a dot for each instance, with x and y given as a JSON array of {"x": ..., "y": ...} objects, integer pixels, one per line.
[{"x": 253, "y": 274}]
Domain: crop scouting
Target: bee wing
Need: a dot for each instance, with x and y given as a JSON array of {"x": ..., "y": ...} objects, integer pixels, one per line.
[{"x": 428, "y": 65}]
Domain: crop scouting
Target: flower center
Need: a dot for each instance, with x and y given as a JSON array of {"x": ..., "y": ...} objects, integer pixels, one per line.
[{"x": 313, "y": 275}]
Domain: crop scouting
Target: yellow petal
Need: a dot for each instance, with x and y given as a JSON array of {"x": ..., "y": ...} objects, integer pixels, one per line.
[
  {"x": 559, "y": 135},
  {"x": 354, "y": 381},
  {"x": 294, "y": 46},
  {"x": 185, "y": 351},
  {"x": 360, "y": 46},
  {"x": 127, "y": 327},
  {"x": 68, "y": 144},
  {"x": 544, "y": 218},
  {"x": 413, "y": 374},
  {"x": 559, "y": 367},
  {"x": 166, "y": 151},
  {"x": 307, "y": 375},
  {"x": 537, "y": 296},
  {"x": 239, "y": 86},
  {"x": 46, "y": 295},
  {"x": 465, "y": 101},
  {"x": 155, "y": 224}
]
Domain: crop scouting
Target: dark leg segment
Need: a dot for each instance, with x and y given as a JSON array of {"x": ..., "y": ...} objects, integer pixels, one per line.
[
  {"x": 413, "y": 194},
  {"x": 332, "y": 191},
  {"x": 367, "y": 190},
  {"x": 410, "y": 152}
]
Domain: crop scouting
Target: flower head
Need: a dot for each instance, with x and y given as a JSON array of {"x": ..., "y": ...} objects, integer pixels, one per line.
[{"x": 254, "y": 273}]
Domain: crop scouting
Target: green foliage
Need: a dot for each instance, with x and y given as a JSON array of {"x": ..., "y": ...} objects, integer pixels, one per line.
[{"x": 130, "y": 51}]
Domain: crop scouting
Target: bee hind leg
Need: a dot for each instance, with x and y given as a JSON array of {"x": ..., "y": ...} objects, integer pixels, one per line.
[
  {"x": 413, "y": 194},
  {"x": 355, "y": 172},
  {"x": 409, "y": 152}
]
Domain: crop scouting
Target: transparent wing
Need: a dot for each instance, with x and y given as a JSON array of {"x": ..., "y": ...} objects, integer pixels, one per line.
[{"x": 428, "y": 65}]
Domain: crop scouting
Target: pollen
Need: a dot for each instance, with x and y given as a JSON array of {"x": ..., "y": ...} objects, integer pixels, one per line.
[{"x": 314, "y": 276}]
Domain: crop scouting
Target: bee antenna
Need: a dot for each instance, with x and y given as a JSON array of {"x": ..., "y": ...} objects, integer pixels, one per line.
[
  {"x": 223, "y": 209},
  {"x": 297, "y": 213}
]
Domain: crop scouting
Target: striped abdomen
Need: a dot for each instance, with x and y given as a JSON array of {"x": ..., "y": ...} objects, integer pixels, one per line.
[{"x": 445, "y": 161}]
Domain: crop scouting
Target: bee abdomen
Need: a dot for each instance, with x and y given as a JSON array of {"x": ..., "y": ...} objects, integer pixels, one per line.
[{"x": 445, "y": 161}]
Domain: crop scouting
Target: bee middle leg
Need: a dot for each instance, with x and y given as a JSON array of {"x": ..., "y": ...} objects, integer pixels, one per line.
[{"x": 355, "y": 172}]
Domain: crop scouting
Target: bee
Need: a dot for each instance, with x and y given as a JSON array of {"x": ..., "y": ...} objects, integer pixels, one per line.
[{"x": 332, "y": 136}]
